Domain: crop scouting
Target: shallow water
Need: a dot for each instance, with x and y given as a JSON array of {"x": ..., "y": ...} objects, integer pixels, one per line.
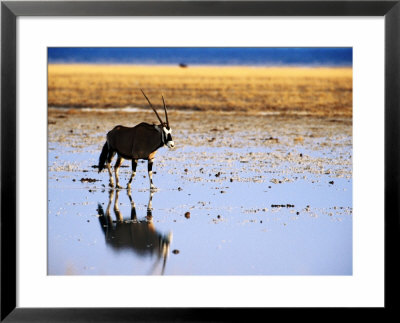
[{"x": 255, "y": 209}]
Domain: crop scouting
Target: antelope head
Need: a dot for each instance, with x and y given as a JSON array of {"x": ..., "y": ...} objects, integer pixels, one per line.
[{"x": 166, "y": 131}]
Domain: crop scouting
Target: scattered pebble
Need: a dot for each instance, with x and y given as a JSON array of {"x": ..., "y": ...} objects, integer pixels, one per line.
[
  {"x": 282, "y": 205},
  {"x": 89, "y": 180}
]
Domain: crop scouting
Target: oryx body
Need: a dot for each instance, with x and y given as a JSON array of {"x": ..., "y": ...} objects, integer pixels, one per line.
[{"x": 134, "y": 143}]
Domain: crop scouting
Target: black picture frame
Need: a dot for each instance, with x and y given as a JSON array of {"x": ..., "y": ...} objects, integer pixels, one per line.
[{"x": 10, "y": 10}]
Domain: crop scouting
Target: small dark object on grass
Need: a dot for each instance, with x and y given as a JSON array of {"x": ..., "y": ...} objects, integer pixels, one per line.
[{"x": 272, "y": 139}]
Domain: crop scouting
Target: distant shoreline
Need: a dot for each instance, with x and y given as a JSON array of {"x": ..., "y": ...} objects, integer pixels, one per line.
[{"x": 204, "y": 65}]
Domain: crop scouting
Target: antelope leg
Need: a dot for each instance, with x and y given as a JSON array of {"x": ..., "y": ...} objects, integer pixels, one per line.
[
  {"x": 134, "y": 165},
  {"x": 116, "y": 170},
  {"x": 108, "y": 163},
  {"x": 111, "y": 184},
  {"x": 149, "y": 169}
]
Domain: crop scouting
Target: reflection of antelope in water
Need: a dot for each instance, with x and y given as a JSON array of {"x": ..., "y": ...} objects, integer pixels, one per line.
[{"x": 138, "y": 236}]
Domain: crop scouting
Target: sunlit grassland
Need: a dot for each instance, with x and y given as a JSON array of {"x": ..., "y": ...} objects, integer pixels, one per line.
[{"x": 283, "y": 90}]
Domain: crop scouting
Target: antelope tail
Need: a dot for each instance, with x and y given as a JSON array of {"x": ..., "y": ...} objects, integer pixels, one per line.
[{"x": 103, "y": 157}]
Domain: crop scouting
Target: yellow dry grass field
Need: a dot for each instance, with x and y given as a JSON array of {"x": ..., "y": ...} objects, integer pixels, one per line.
[{"x": 280, "y": 90}]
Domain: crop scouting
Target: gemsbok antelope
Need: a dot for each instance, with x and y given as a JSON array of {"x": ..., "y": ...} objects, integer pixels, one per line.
[
  {"x": 138, "y": 142},
  {"x": 138, "y": 236}
]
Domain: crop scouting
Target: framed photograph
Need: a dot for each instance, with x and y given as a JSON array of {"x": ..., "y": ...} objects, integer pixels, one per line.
[{"x": 167, "y": 160}]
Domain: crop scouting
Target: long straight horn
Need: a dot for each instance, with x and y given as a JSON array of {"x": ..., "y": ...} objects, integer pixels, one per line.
[
  {"x": 152, "y": 107},
  {"x": 165, "y": 109}
]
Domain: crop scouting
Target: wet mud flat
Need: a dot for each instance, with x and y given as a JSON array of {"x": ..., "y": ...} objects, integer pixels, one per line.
[{"x": 241, "y": 194}]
